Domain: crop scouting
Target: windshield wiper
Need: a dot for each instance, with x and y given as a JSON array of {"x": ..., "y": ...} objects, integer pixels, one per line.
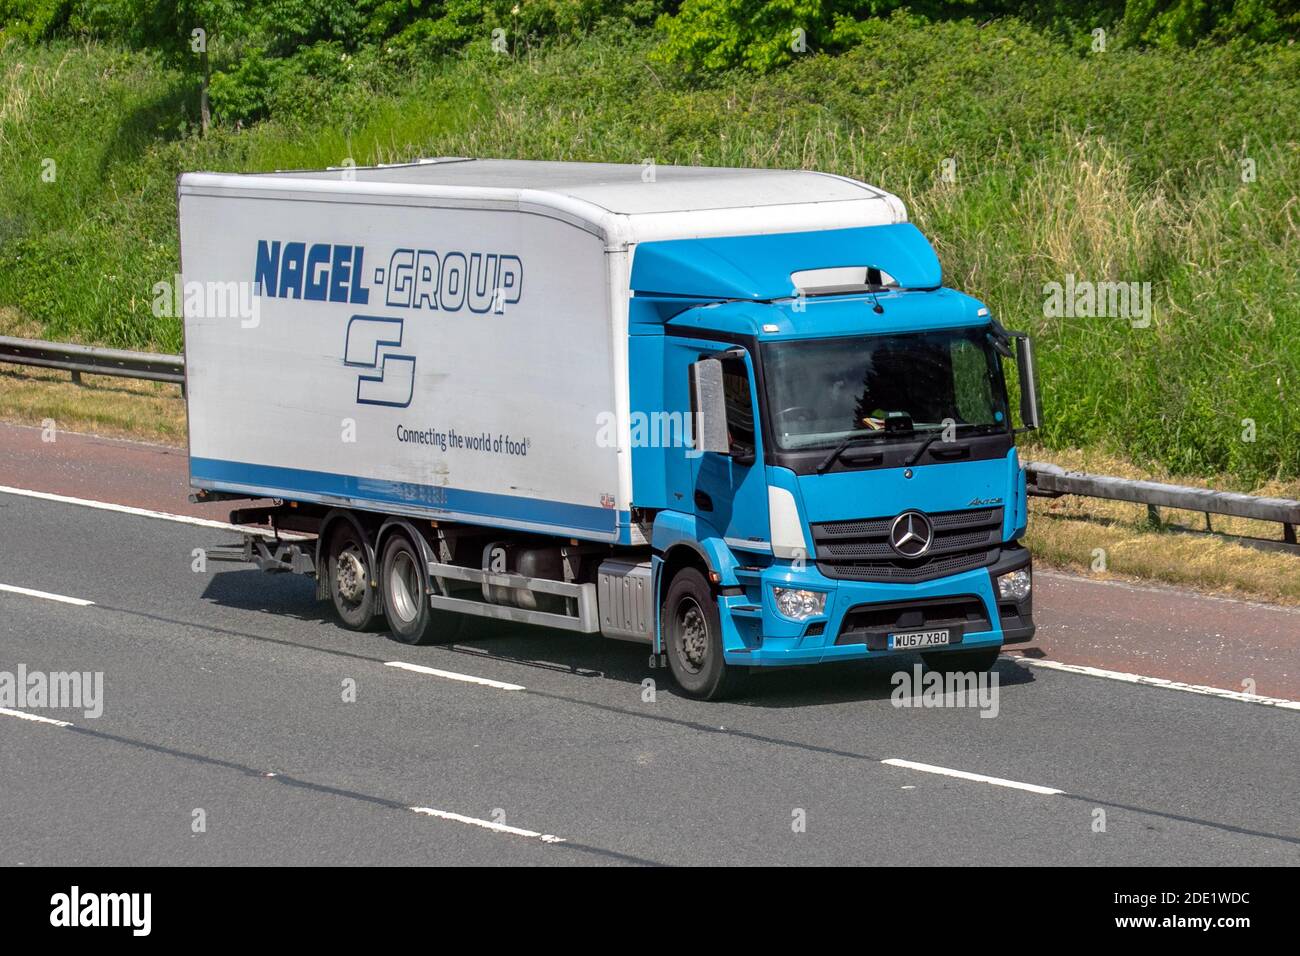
[
  {"x": 843, "y": 446},
  {"x": 981, "y": 428},
  {"x": 930, "y": 439},
  {"x": 975, "y": 429}
]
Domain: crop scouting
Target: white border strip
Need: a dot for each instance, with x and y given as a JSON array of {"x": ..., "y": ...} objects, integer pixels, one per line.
[
  {"x": 1161, "y": 682},
  {"x": 488, "y": 825},
  {"x": 452, "y": 675},
  {"x": 23, "y": 715},
  {"x": 143, "y": 512},
  {"x": 966, "y": 775},
  {"x": 61, "y": 598}
]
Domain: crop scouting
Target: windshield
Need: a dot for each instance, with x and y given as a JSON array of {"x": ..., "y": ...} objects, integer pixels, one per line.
[{"x": 823, "y": 391}]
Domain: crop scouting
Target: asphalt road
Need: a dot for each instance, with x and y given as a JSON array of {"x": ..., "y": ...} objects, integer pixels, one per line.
[{"x": 223, "y": 693}]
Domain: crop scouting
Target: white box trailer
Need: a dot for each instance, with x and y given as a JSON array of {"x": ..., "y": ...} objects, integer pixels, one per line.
[{"x": 443, "y": 338}]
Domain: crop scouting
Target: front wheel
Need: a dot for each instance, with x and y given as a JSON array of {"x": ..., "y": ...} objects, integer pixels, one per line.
[
  {"x": 952, "y": 662},
  {"x": 406, "y": 604},
  {"x": 693, "y": 635}
]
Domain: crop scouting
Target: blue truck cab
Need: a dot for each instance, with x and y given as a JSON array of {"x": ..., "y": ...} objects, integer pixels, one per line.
[{"x": 853, "y": 489}]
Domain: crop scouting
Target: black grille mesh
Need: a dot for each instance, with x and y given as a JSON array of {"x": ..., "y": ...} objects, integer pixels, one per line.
[{"x": 859, "y": 549}]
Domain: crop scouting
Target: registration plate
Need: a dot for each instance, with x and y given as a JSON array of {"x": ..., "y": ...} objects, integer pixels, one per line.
[{"x": 908, "y": 640}]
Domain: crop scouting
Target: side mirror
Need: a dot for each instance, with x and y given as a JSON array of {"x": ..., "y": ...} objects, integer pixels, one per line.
[
  {"x": 1030, "y": 411},
  {"x": 709, "y": 406}
]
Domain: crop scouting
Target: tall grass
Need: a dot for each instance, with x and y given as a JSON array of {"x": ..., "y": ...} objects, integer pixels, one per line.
[{"x": 1123, "y": 166}]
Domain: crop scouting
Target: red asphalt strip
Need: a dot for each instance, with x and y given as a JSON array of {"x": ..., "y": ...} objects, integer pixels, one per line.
[
  {"x": 1155, "y": 631},
  {"x": 122, "y": 472}
]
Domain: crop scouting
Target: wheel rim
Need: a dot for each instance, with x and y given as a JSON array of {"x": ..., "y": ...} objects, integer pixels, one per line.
[
  {"x": 691, "y": 635},
  {"x": 350, "y": 576},
  {"x": 404, "y": 587}
]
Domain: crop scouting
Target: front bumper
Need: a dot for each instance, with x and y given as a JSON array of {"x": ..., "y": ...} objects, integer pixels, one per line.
[{"x": 858, "y": 615}]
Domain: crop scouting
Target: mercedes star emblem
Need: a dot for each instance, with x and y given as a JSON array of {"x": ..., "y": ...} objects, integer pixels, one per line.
[{"x": 911, "y": 534}]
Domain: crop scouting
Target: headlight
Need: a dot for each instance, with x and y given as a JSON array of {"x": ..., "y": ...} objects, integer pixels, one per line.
[
  {"x": 1014, "y": 585},
  {"x": 797, "y": 603}
]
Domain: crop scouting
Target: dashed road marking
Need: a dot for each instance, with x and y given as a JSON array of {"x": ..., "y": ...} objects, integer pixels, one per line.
[
  {"x": 976, "y": 777},
  {"x": 23, "y": 715},
  {"x": 45, "y": 595},
  {"x": 488, "y": 825},
  {"x": 426, "y": 811},
  {"x": 452, "y": 675}
]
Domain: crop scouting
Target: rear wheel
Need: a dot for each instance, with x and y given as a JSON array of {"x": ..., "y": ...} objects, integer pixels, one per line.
[
  {"x": 951, "y": 662},
  {"x": 406, "y": 604},
  {"x": 349, "y": 576},
  {"x": 693, "y": 638}
]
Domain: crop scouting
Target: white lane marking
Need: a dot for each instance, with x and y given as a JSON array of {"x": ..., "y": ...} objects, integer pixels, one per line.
[
  {"x": 452, "y": 675},
  {"x": 1161, "y": 682},
  {"x": 142, "y": 512},
  {"x": 427, "y": 811},
  {"x": 488, "y": 825},
  {"x": 61, "y": 598},
  {"x": 966, "y": 775},
  {"x": 23, "y": 715}
]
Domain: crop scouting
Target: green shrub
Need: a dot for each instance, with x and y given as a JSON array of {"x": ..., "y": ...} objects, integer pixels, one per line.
[
  {"x": 762, "y": 34},
  {"x": 36, "y": 19}
]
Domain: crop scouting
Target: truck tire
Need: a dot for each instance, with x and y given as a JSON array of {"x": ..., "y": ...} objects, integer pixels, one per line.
[
  {"x": 951, "y": 662},
  {"x": 693, "y": 639},
  {"x": 349, "y": 577},
  {"x": 406, "y": 604}
]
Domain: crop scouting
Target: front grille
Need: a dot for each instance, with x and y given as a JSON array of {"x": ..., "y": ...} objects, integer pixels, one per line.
[
  {"x": 859, "y": 550},
  {"x": 871, "y": 624}
]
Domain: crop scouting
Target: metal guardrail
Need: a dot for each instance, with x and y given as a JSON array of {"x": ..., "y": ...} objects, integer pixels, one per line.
[
  {"x": 1051, "y": 481},
  {"x": 93, "y": 360}
]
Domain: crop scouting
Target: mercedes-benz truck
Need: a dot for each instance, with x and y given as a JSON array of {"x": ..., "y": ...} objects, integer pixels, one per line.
[{"x": 732, "y": 414}]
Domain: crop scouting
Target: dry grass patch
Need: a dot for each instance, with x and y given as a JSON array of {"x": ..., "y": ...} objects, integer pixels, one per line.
[{"x": 102, "y": 405}]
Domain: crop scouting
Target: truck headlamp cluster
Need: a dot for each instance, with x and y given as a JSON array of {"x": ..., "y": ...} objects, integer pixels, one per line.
[
  {"x": 799, "y": 604},
  {"x": 1014, "y": 585}
]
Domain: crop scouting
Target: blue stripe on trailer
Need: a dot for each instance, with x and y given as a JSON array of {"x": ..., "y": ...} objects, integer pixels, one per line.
[{"x": 270, "y": 481}]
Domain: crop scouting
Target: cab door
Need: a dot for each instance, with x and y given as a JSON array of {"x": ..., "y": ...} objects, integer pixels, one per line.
[{"x": 730, "y": 490}]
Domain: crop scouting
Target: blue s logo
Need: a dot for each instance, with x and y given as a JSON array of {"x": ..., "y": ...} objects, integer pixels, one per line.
[{"x": 369, "y": 344}]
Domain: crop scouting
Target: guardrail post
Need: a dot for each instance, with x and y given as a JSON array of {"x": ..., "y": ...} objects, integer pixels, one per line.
[
  {"x": 1288, "y": 533},
  {"x": 76, "y": 377}
]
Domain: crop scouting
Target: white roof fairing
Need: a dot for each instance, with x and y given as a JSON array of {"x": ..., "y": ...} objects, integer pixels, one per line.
[{"x": 621, "y": 202}]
